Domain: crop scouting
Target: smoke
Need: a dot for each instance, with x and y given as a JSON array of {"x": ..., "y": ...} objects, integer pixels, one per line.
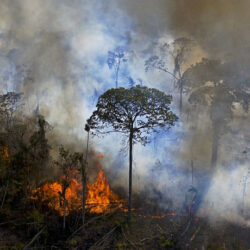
[
  {"x": 227, "y": 196},
  {"x": 55, "y": 52},
  {"x": 218, "y": 26},
  {"x": 60, "y": 47}
]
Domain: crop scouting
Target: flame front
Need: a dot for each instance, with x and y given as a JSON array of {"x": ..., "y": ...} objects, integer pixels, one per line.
[
  {"x": 100, "y": 198},
  {"x": 51, "y": 194}
]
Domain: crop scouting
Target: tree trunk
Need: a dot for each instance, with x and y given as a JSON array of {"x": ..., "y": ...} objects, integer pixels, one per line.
[
  {"x": 34, "y": 239},
  {"x": 83, "y": 194},
  {"x": 84, "y": 180},
  {"x": 181, "y": 93},
  {"x": 117, "y": 74},
  {"x": 5, "y": 193},
  {"x": 63, "y": 195},
  {"x": 243, "y": 197},
  {"x": 215, "y": 144},
  {"x": 130, "y": 172},
  {"x": 64, "y": 212}
]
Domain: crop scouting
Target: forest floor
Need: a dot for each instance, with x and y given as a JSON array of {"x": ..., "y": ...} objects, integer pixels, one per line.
[{"x": 115, "y": 231}]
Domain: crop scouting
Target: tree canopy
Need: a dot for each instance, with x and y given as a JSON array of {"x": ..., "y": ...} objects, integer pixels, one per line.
[
  {"x": 139, "y": 109},
  {"x": 177, "y": 53},
  {"x": 114, "y": 61}
]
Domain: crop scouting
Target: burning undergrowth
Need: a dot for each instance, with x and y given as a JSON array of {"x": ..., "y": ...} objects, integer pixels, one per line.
[
  {"x": 148, "y": 201},
  {"x": 99, "y": 199},
  {"x": 200, "y": 195}
]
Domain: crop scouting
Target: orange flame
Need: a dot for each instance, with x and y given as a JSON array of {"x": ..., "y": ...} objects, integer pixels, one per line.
[
  {"x": 51, "y": 194},
  {"x": 100, "y": 156},
  {"x": 100, "y": 198},
  {"x": 4, "y": 152}
]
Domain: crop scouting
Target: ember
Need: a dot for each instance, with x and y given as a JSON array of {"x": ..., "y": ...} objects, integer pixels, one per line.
[{"x": 4, "y": 151}]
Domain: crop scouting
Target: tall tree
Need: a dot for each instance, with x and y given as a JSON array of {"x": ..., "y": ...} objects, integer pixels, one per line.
[
  {"x": 217, "y": 86},
  {"x": 134, "y": 112},
  {"x": 84, "y": 164},
  {"x": 115, "y": 58},
  {"x": 177, "y": 53}
]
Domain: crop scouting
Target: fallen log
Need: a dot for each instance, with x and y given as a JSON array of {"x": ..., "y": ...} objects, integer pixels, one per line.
[
  {"x": 195, "y": 233},
  {"x": 126, "y": 238},
  {"x": 99, "y": 242},
  {"x": 34, "y": 239},
  {"x": 90, "y": 221}
]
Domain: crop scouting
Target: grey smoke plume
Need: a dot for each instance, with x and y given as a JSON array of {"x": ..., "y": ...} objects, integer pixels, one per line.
[{"x": 55, "y": 53}]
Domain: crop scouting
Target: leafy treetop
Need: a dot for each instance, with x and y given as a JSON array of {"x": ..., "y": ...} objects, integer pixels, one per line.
[{"x": 137, "y": 110}]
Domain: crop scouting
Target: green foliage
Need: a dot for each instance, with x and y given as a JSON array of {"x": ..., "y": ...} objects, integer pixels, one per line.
[
  {"x": 73, "y": 241},
  {"x": 122, "y": 245},
  {"x": 39, "y": 146},
  {"x": 36, "y": 216},
  {"x": 68, "y": 160},
  {"x": 216, "y": 248},
  {"x": 135, "y": 112},
  {"x": 163, "y": 242},
  {"x": 138, "y": 109},
  {"x": 22, "y": 170},
  {"x": 18, "y": 246}
]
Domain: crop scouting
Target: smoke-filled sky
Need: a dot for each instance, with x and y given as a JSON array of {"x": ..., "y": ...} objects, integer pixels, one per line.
[{"x": 55, "y": 52}]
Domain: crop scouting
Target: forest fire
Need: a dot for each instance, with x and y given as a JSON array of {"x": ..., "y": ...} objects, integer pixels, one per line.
[
  {"x": 5, "y": 152},
  {"x": 100, "y": 198},
  {"x": 51, "y": 194}
]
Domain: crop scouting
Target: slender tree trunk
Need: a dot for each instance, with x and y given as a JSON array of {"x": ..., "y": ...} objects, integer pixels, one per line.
[
  {"x": 181, "y": 93},
  {"x": 63, "y": 195},
  {"x": 117, "y": 74},
  {"x": 64, "y": 212},
  {"x": 130, "y": 172},
  {"x": 84, "y": 179},
  {"x": 243, "y": 196},
  {"x": 215, "y": 144},
  {"x": 83, "y": 194},
  {"x": 5, "y": 193},
  {"x": 192, "y": 166},
  {"x": 34, "y": 239},
  {"x": 6, "y": 190}
]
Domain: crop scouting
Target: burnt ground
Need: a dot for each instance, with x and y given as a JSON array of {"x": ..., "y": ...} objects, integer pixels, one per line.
[
  {"x": 169, "y": 232},
  {"x": 114, "y": 231}
]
